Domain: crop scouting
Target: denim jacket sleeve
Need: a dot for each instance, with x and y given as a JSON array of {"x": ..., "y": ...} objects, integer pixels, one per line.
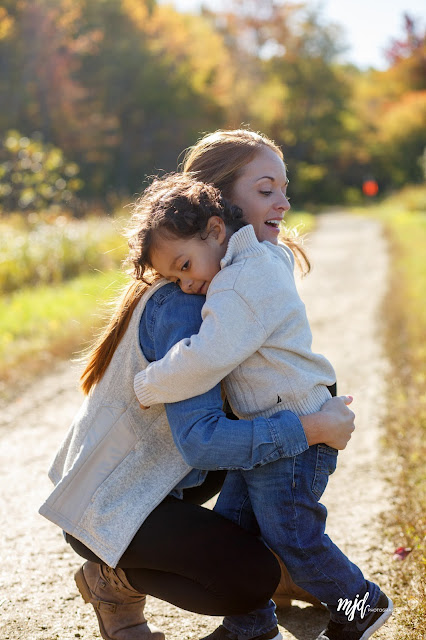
[{"x": 206, "y": 438}]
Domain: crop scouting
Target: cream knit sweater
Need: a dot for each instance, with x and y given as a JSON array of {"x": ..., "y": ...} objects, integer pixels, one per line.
[{"x": 255, "y": 332}]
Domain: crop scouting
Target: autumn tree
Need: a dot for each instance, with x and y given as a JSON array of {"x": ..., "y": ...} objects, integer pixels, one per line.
[
  {"x": 36, "y": 176},
  {"x": 292, "y": 88},
  {"x": 120, "y": 85},
  {"x": 391, "y": 105}
]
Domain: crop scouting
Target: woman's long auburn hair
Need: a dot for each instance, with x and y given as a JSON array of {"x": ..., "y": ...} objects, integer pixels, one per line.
[
  {"x": 219, "y": 158},
  {"x": 174, "y": 206},
  {"x": 100, "y": 353}
]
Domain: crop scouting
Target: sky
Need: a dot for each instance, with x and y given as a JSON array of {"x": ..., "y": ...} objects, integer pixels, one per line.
[{"x": 369, "y": 25}]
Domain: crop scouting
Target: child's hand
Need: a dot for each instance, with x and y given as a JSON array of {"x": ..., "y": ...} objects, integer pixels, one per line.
[{"x": 142, "y": 407}]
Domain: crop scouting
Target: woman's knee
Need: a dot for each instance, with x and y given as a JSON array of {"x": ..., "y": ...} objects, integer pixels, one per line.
[
  {"x": 253, "y": 578},
  {"x": 81, "y": 549},
  {"x": 268, "y": 571}
]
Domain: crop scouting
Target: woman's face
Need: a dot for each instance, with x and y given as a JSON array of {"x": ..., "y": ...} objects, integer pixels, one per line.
[{"x": 260, "y": 192}]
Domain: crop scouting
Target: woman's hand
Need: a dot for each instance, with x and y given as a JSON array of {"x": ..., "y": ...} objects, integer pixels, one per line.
[{"x": 332, "y": 425}]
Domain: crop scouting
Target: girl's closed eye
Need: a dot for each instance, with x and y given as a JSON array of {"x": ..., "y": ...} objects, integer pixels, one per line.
[
  {"x": 184, "y": 267},
  {"x": 266, "y": 193}
]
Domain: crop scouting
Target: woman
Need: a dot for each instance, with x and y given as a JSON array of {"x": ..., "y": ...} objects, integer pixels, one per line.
[{"x": 120, "y": 476}]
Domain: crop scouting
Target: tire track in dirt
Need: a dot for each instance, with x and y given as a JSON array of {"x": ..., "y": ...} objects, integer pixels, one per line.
[{"x": 38, "y": 597}]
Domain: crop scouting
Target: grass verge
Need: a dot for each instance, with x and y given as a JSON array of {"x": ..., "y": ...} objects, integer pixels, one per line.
[
  {"x": 406, "y": 423},
  {"x": 404, "y": 309},
  {"x": 37, "y": 250},
  {"x": 40, "y": 324}
]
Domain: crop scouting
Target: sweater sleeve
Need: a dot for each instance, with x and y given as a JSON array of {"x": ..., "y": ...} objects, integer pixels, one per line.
[
  {"x": 229, "y": 334},
  {"x": 206, "y": 438}
]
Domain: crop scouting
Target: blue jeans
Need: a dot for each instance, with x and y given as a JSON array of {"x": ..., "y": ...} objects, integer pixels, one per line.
[{"x": 280, "y": 502}]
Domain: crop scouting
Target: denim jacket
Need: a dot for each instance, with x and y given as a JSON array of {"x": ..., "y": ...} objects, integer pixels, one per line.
[{"x": 206, "y": 438}]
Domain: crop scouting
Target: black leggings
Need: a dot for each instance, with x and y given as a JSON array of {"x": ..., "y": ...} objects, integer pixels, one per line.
[{"x": 196, "y": 559}]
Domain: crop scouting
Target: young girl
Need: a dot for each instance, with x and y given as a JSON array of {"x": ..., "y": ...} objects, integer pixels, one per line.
[{"x": 256, "y": 333}]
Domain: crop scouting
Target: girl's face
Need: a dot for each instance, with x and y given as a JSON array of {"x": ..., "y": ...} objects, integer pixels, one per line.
[
  {"x": 192, "y": 262},
  {"x": 260, "y": 192}
]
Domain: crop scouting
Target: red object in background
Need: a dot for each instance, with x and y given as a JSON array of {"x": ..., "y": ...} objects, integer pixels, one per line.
[
  {"x": 370, "y": 188},
  {"x": 401, "y": 553}
]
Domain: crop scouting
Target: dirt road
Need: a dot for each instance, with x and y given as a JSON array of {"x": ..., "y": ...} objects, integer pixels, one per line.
[{"x": 38, "y": 597}]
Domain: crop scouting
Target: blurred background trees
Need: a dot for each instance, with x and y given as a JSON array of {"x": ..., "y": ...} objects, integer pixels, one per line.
[
  {"x": 36, "y": 176},
  {"x": 120, "y": 87}
]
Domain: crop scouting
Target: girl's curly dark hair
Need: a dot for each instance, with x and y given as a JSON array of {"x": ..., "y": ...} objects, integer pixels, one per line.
[
  {"x": 178, "y": 206},
  {"x": 175, "y": 206}
]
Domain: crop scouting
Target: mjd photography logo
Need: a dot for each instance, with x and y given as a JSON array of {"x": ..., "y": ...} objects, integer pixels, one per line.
[{"x": 350, "y": 607}]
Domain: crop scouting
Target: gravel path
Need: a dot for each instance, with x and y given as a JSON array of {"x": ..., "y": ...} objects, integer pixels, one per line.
[{"x": 38, "y": 597}]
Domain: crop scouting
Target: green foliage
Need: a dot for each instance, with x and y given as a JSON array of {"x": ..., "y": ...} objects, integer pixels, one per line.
[
  {"x": 36, "y": 323},
  {"x": 35, "y": 176},
  {"x": 410, "y": 199},
  {"x": 121, "y": 87},
  {"x": 293, "y": 90},
  {"x": 42, "y": 250},
  {"x": 313, "y": 128},
  {"x": 391, "y": 107}
]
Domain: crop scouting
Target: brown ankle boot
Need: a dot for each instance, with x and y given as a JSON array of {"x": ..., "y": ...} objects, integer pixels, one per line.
[
  {"x": 288, "y": 590},
  {"x": 117, "y": 604}
]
